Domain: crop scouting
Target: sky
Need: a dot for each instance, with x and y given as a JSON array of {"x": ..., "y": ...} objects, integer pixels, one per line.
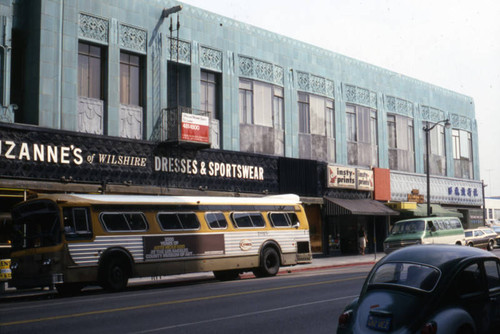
[{"x": 454, "y": 44}]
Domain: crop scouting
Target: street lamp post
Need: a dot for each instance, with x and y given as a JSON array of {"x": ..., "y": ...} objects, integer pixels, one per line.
[{"x": 427, "y": 130}]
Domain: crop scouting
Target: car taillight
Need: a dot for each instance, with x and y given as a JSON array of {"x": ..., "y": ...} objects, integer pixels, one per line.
[
  {"x": 345, "y": 318},
  {"x": 429, "y": 328}
]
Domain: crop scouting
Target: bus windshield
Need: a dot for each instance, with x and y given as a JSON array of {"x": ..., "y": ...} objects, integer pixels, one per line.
[
  {"x": 408, "y": 227},
  {"x": 35, "y": 225}
]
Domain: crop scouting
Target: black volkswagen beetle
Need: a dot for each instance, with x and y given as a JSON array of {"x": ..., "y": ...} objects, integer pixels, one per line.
[{"x": 428, "y": 289}]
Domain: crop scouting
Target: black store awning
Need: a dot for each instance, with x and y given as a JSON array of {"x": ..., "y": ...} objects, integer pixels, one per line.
[{"x": 365, "y": 207}]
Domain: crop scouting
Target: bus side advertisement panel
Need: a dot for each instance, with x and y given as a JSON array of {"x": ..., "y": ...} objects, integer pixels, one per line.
[{"x": 176, "y": 246}]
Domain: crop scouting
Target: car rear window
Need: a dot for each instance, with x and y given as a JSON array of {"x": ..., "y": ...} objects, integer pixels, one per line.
[{"x": 410, "y": 275}]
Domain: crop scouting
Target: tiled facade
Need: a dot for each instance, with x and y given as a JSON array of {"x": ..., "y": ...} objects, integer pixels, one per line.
[{"x": 207, "y": 41}]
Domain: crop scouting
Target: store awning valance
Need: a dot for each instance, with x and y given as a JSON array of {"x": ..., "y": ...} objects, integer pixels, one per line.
[
  {"x": 366, "y": 207},
  {"x": 436, "y": 211}
]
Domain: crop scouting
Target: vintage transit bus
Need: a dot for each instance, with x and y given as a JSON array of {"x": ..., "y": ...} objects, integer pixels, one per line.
[{"x": 69, "y": 241}]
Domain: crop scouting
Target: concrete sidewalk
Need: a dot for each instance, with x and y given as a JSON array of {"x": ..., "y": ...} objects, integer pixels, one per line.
[{"x": 319, "y": 262}]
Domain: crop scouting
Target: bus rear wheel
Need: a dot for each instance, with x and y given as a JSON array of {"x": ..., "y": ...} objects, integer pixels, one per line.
[
  {"x": 115, "y": 275},
  {"x": 269, "y": 263}
]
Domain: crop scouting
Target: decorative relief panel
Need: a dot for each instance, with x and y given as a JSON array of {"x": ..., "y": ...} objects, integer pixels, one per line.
[
  {"x": 315, "y": 84},
  {"x": 246, "y": 66},
  {"x": 179, "y": 51},
  {"x": 461, "y": 122},
  {"x": 211, "y": 59},
  {"x": 94, "y": 28},
  {"x": 303, "y": 81},
  {"x": 261, "y": 70},
  {"x": 132, "y": 38},
  {"x": 278, "y": 74},
  {"x": 431, "y": 114},
  {"x": 399, "y": 106},
  {"x": 361, "y": 96},
  {"x": 264, "y": 70},
  {"x": 90, "y": 115},
  {"x": 131, "y": 122},
  {"x": 7, "y": 114}
]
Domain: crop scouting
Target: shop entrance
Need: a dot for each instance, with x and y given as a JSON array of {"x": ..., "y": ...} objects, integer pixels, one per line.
[{"x": 345, "y": 219}]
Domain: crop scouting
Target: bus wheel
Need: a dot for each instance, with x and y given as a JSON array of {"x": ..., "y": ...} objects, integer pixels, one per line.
[
  {"x": 227, "y": 275},
  {"x": 269, "y": 263},
  {"x": 115, "y": 275},
  {"x": 69, "y": 289}
]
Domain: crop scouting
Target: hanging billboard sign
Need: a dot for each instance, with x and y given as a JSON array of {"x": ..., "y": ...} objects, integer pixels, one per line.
[{"x": 195, "y": 128}]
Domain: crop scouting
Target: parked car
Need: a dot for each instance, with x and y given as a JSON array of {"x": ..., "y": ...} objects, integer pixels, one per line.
[
  {"x": 496, "y": 228},
  {"x": 482, "y": 237},
  {"x": 428, "y": 289}
]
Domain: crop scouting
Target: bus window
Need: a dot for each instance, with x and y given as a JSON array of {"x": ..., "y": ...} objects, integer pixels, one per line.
[
  {"x": 178, "y": 221},
  {"x": 248, "y": 219},
  {"x": 279, "y": 219},
  {"x": 216, "y": 220},
  {"x": 76, "y": 223},
  {"x": 294, "y": 220},
  {"x": 284, "y": 219},
  {"x": 36, "y": 225},
  {"x": 124, "y": 222}
]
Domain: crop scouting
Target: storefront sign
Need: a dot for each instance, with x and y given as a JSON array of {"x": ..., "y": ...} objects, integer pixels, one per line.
[
  {"x": 341, "y": 177},
  {"x": 208, "y": 168},
  {"x": 444, "y": 190},
  {"x": 195, "y": 128},
  {"x": 365, "y": 179},
  {"x": 350, "y": 178},
  {"x": 463, "y": 191},
  {"x": 64, "y": 155},
  {"x": 34, "y": 153}
]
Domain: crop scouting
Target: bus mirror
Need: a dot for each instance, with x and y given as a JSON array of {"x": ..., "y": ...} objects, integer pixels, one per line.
[{"x": 296, "y": 225}]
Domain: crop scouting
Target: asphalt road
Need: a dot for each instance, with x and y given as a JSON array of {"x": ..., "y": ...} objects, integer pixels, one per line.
[{"x": 302, "y": 302}]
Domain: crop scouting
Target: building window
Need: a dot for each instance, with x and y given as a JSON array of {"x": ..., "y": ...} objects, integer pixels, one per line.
[
  {"x": 208, "y": 93},
  {"x": 90, "y": 70},
  {"x": 130, "y": 79},
  {"x": 462, "y": 153},
  {"x": 316, "y": 115},
  {"x": 361, "y": 135},
  {"x": 401, "y": 143},
  {"x": 351, "y": 124},
  {"x": 246, "y": 102},
  {"x": 304, "y": 116},
  {"x": 261, "y": 104},
  {"x": 330, "y": 118},
  {"x": 316, "y": 127},
  {"x": 437, "y": 151},
  {"x": 278, "y": 108}
]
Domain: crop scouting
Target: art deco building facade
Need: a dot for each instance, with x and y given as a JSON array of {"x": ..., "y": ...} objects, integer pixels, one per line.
[{"x": 139, "y": 97}]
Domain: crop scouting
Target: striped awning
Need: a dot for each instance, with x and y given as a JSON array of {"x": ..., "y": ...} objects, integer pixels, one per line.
[{"x": 364, "y": 207}]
